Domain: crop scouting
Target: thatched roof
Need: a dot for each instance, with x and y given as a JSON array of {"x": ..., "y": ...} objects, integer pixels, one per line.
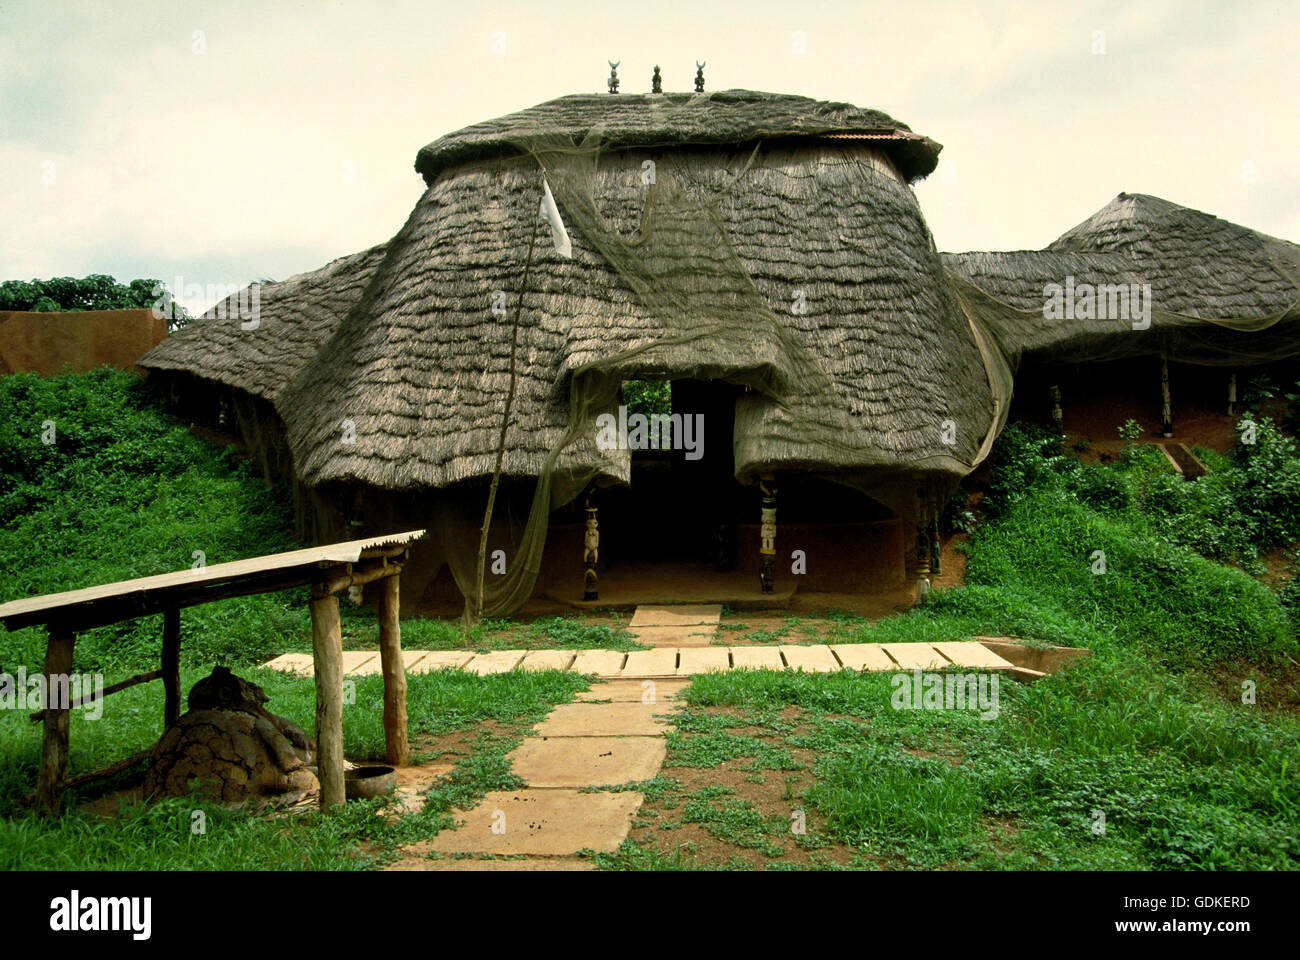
[
  {"x": 398, "y": 349},
  {"x": 420, "y": 364},
  {"x": 296, "y": 316},
  {"x": 674, "y": 119},
  {"x": 1244, "y": 284}
]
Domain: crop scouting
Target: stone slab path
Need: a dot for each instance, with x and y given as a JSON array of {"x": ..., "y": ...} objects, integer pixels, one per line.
[
  {"x": 678, "y": 625},
  {"x": 612, "y": 737},
  {"x": 676, "y": 661}
]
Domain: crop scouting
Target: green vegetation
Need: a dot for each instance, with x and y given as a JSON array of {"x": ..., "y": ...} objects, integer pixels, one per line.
[
  {"x": 160, "y": 837},
  {"x": 97, "y": 485},
  {"x": 648, "y": 396},
  {"x": 1180, "y": 781},
  {"x": 95, "y": 292},
  {"x": 1149, "y": 737}
]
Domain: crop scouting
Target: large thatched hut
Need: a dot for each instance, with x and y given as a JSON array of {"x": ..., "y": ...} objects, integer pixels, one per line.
[{"x": 763, "y": 253}]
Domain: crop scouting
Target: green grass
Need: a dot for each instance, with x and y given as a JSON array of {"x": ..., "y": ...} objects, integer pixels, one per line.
[
  {"x": 1183, "y": 782},
  {"x": 160, "y": 838}
]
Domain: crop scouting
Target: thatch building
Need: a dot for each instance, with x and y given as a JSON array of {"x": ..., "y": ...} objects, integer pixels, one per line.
[{"x": 767, "y": 255}]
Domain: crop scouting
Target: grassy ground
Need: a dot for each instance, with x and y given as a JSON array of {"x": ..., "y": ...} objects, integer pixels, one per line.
[
  {"x": 1110, "y": 764},
  {"x": 1150, "y": 755}
]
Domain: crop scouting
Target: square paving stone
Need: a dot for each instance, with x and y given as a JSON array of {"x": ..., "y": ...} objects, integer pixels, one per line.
[
  {"x": 605, "y": 720},
  {"x": 603, "y": 663},
  {"x": 498, "y": 661},
  {"x": 441, "y": 660},
  {"x": 587, "y": 761},
  {"x": 547, "y": 660},
  {"x": 702, "y": 660},
  {"x": 757, "y": 658},
  {"x": 634, "y": 691},
  {"x": 863, "y": 656},
  {"x": 678, "y": 636},
  {"x": 915, "y": 656},
  {"x": 299, "y": 663},
  {"x": 411, "y": 657},
  {"x": 358, "y": 663},
  {"x": 542, "y": 823},
  {"x": 660, "y": 662},
  {"x": 817, "y": 659},
  {"x": 972, "y": 654},
  {"x": 676, "y": 615}
]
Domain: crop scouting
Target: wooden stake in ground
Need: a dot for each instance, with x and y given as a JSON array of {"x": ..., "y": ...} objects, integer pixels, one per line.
[
  {"x": 397, "y": 749},
  {"x": 327, "y": 653},
  {"x": 54, "y": 738},
  {"x": 171, "y": 667}
]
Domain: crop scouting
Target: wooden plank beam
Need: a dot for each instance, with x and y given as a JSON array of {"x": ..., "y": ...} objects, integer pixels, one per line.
[
  {"x": 99, "y": 613},
  {"x": 54, "y": 740},
  {"x": 396, "y": 747},
  {"x": 327, "y": 653}
]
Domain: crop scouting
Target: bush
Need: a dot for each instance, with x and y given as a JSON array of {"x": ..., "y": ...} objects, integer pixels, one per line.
[{"x": 121, "y": 491}]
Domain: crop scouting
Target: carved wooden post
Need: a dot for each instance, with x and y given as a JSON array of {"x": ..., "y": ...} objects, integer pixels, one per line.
[
  {"x": 1058, "y": 415},
  {"x": 54, "y": 703},
  {"x": 590, "y": 552},
  {"x": 925, "y": 550},
  {"x": 397, "y": 749},
  {"x": 936, "y": 545},
  {"x": 327, "y": 653},
  {"x": 767, "y": 537},
  {"x": 1166, "y": 403},
  {"x": 171, "y": 667}
]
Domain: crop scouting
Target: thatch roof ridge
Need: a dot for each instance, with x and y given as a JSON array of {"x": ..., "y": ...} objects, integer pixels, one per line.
[{"x": 723, "y": 117}]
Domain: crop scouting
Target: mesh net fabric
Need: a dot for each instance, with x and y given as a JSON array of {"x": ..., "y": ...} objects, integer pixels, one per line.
[
  {"x": 714, "y": 323},
  {"x": 684, "y": 270}
]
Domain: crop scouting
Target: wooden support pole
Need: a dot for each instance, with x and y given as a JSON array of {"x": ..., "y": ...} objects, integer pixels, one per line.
[
  {"x": 397, "y": 749},
  {"x": 925, "y": 536},
  {"x": 1058, "y": 415},
  {"x": 1232, "y": 394},
  {"x": 54, "y": 741},
  {"x": 327, "y": 653},
  {"x": 590, "y": 552},
  {"x": 1166, "y": 401},
  {"x": 767, "y": 537},
  {"x": 171, "y": 667}
]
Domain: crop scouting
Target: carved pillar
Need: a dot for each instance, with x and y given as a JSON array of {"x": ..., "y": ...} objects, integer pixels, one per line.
[
  {"x": 927, "y": 545},
  {"x": 590, "y": 551},
  {"x": 1058, "y": 415},
  {"x": 767, "y": 537},
  {"x": 1166, "y": 403}
]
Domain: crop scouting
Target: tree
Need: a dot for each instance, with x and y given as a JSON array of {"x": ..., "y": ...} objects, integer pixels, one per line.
[{"x": 95, "y": 292}]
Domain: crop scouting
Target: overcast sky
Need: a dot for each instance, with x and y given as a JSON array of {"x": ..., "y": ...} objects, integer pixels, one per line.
[{"x": 229, "y": 141}]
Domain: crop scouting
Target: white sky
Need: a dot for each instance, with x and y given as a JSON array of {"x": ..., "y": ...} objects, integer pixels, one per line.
[{"x": 290, "y": 139}]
